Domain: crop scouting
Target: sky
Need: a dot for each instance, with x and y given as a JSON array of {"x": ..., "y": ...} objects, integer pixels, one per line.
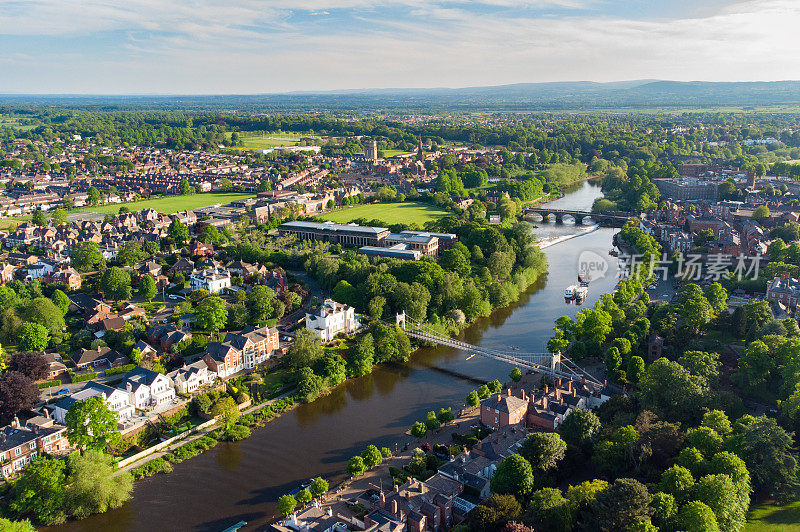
[{"x": 267, "y": 46}]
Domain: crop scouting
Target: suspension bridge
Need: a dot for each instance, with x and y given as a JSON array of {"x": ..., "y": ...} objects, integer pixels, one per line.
[{"x": 553, "y": 364}]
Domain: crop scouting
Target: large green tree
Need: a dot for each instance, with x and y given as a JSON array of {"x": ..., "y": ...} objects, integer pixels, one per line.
[
  {"x": 305, "y": 350},
  {"x": 91, "y": 425},
  {"x": 116, "y": 284},
  {"x": 95, "y": 486},
  {"x": 212, "y": 314},
  {"x": 39, "y": 493},
  {"x": 514, "y": 476}
]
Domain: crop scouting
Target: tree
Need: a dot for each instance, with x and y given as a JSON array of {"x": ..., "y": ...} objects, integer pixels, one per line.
[
  {"x": 17, "y": 393},
  {"x": 58, "y": 217},
  {"x": 39, "y": 218},
  {"x": 445, "y": 416},
  {"x": 95, "y": 196},
  {"x": 635, "y": 368},
  {"x": 363, "y": 357},
  {"x": 303, "y": 497},
  {"x": 514, "y": 476},
  {"x": 86, "y": 256},
  {"x": 706, "y": 440},
  {"x": 16, "y": 526},
  {"x": 766, "y": 449},
  {"x": 372, "y": 457},
  {"x": 225, "y": 411},
  {"x": 309, "y": 385},
  {"x": 669, "y": 389},
  {"x": 39, "y": 493},
  {"x": 495, "y": 386},
  {"x": 305, "y": 350},
  {"x": 507, "y": 208},
  {"x": 286, "y": 505},
  {"x": 376, "y": 305},
  {"x": 147, "y": 287},
  {"x": 32, "y": 365},
  {"x": 116, "y": 284},
  {"x": 91, "y": 425},
  {"x": 61, "y": 300},
  {"x": 678, "y": 482},
  {"x": 516, "y": 374},
  {"x": 696, "y": 516},
  {"x": 179, "y": 232},
  {"x": 761, "y": 212},
  {"x": 185, "y": 187},
  {"x": 43, "y": 311},
  {"x": 33, "y": 337},
  {"x": 543, "y": 450},
  {"x": 211, "y": 314},
  {"x": 623, "y": 504},
  {"x": 355, "y": 467},
  {"x": 472, "y": 399},
  {"x": 495, "y": 511},
  {"x": 319, "y": 487},
  {"x": 93, "y": 485},
  {"x": 720, "y": 494},
  {"x": 260, "y": 303},
  {"x": 418, "y": 429},
  {"x": 717, "y": 421},
  {"x": 549, "y": 510},
  {"x": 717, "y": 297},
  {"x": 580, "y": 427}
]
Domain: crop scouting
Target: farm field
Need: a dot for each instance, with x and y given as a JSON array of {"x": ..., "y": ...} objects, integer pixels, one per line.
[
  {"x": 770, "y": 518},
  {"x": 390, "y": 213},
  {"x": 172, "y": 204}
]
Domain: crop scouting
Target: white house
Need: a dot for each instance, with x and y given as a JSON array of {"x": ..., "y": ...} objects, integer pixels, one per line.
[
  {"x": 332, "y": 318},
  {"x": 212, "y": 280},
  {"x": 41, "y": 269},
  {"x": 191, "y": 377},
  {"x": 146, "y": 388},
  {"x": 117, "y": 401}
]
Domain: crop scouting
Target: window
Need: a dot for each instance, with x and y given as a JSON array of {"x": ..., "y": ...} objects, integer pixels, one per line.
[
  {"x": 32, "y": 445},
  {"x": 17, "y": 451}
]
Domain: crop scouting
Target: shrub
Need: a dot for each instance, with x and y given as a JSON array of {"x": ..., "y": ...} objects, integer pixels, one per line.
[
  {"x": 48, "y": 384},
  {"x": 237, "y": 432},
  {"x": 153, "y": 467},
  {"x": 84, "y": 377},
  {"x": 121, "y": 369}
]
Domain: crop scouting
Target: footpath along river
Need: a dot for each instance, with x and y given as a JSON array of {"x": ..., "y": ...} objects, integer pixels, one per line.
[{"x": 242, "y": 481}]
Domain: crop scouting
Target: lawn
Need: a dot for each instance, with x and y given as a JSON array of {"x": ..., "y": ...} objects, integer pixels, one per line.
[
  {"x": 260, "y": 141},
  {"x": 390, "y": 213},
  {"x": 771, "y": 518},
  {"x": 392, "y": 153},
  {"x": 172, "y": 204}
]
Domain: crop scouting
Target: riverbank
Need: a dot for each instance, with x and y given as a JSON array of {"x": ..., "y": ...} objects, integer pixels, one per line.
[{"x": 244, "y": 479}]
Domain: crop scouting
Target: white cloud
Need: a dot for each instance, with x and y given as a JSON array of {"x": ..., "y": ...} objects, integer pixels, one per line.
[{"x": 255, "y": 46}]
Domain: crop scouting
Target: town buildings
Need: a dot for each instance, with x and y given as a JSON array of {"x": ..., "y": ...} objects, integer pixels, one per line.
[
  {"x": 215, "y": 281},
  {"x": 785, "y": 291},
  {"x": 332, "y": 318},
  {"x": 19, "y": 444},
  {"x": 241, "y": 351}
]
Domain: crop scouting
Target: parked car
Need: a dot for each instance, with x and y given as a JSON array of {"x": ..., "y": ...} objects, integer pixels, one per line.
[{"x": 62, "y": 391}]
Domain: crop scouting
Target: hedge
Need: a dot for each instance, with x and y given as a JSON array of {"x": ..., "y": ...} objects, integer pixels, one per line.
[
  {"x": 48, "y": 384},
  {"x": 122, "y": 369},
  {"x": 153, "y": 467},
  {"x": 86, "y": 377}
]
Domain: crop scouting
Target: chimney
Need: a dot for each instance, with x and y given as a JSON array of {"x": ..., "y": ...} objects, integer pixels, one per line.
[
  {"x": 46, "y": 413},
  {"x": 15, "y": 423},
  {"x": 383, "y": 499},
  {"x": 544, "y": 402},
  {"x": 574, "y": 392},
  {"x": 499, "y": 398},
  {"x": 569, "y": 385},
  {"x": 394, "y": 506},
  {"x": 558, "y": 382},
  {"x": 522, "y": 394},
  {"x": 509, "y": 392},
  {"x": 561, "y": 400},
  {"x": 546, "y": 389}
]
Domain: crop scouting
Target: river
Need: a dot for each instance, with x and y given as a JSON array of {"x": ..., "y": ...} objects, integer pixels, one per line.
[{"x": 242, "y": 481}]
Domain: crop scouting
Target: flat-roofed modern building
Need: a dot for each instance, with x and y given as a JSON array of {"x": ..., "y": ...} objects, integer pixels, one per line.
[
  {"x": 446, "y": 240},
  {"x": 396, "y": 252},
  {"x": 345, "y": 234},
  {"x": 425, "y": 243}
]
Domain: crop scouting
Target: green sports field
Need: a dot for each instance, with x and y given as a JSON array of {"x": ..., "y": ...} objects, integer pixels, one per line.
[
  {"x": 390, "y": 213},
  {"x": 771, "y": 518},
  {"x": 171, "y": 204}
]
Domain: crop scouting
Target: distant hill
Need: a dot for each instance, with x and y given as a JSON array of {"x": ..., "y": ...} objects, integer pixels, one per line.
[{"x": 557, "y": 96}]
